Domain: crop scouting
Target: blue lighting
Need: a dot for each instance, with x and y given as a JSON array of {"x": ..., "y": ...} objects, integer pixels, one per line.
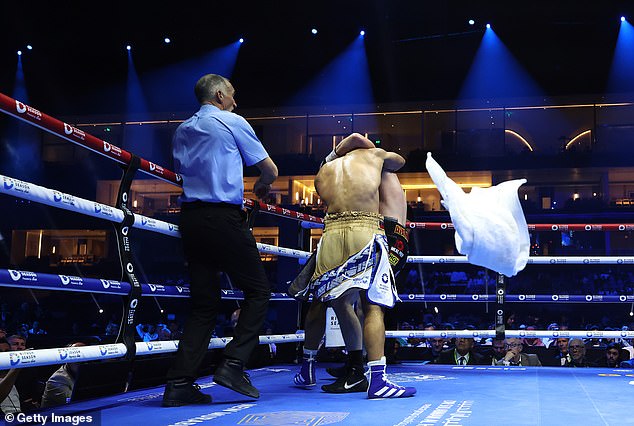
[
  {"x": 19, "y": 53},
  {"x": 128, "y": 47},
  {"x": 488, "y": 26},
  {"x": 28, "y": 46},
  {"x": 471, "y": 22},
  {"x": 167, "y": 40},
  {"x": 171, "y": 87},
  {"x": 622, "y": 18},
  {"x": 344, "y": 81},
  {"x": 241, "y": 40},
  {"x": 362, "y": 33},
  {"x": 495, "y": 73},
  {"x": 620, "y": 79},
  {"x": 314, "y": 31}
]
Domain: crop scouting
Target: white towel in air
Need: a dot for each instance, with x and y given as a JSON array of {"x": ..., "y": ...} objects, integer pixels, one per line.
[{"x": 490, "y": 226}]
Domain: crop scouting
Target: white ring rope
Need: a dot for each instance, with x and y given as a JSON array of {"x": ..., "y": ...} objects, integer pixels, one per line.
[
  {"x": 535, "y": 260},
  {"x": 39, "y": 357},
  {"x": 50, "y": 197}
]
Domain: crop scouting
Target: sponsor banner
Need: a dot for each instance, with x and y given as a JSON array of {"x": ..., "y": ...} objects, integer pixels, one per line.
[
  {"x": 569, "y": 298},
  {"x": 286, "y": 252},
  {"x": 53, "y": 198},
  {"x": 447, "y": 297},
  {"x": 334, "y": 338},
  {"x": 39, "y": 357},
  {"x": 156, "y": 347},
  {"x": 27, "y": 279}
]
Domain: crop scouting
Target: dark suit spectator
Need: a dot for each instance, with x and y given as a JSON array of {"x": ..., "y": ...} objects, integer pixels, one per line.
[
  {"x": 578, "y": 358},
  {"x": 462, "y": 354},
  {"x": 563, "y": 356},
  {"x": 497, "y": 351},
  {"x": 514, "y": 355},
  {"x": 612, "y": 357}
]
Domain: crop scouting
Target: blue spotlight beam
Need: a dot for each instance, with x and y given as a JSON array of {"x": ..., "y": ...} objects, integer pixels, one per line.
[
  {"x": 495, "y": 73},
  {"x": 346, "y": 80},
  {"x": 622, "y": 69}
]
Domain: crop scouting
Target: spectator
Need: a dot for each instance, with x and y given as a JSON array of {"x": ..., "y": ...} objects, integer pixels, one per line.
[
  {"x": 59, "y": 387},
  {"x": 36, "y": 328},
  {"x": 563, "y": 356},
  {"x": 462, "y": 354},
  {"x": 164, "y": 333},
  {"x": 17, "y": 342},
  {"x": 147, "y": 332},
  {"x": 577, "y": 350},
  {"x": 497, "y": 350},
  {"x": 514, "y": 355},
  {"x": 10, "y": 404},
  {"x": 532, "y": 341},
  {"x": 549, "y": 342},
  {"x": 176, "y": 329},
  {"x": 436, "y": 345},
  {"x": 112, "y": 328},
  {"x": 612, "y": 358}
]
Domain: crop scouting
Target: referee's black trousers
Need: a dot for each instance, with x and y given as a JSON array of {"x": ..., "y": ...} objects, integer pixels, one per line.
[{"x": 216, "y": 238}]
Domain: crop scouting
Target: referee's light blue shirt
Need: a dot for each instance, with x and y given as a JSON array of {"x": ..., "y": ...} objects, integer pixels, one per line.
[{"x": 209, "y": 149}]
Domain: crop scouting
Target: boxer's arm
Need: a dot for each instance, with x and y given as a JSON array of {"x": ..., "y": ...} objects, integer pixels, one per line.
[
  {"x": 350, "y": 143},
  {"x": 392, "y": 161}
]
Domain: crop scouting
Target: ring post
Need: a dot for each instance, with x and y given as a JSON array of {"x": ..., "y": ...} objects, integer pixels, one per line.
[
  {"x": 127, "y": 330},
  {"x": 500, "y": 293}
]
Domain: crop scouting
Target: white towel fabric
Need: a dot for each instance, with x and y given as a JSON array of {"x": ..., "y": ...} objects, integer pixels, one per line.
[{"x": 490, "y": 226}]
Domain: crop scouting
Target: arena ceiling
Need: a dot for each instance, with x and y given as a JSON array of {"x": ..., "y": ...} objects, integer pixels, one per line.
[{"x": 416, "y": 50}]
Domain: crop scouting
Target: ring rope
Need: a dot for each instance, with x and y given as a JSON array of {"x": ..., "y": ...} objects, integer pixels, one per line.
[
  {"x": 32, "y": 192},
  {"x": 39, "y": 357},
  {"x": 72, "y": 134},
  {"x": 536, "y": 260},
  {"x": 563, "y": 227},
  {"x": 512, "y": 333}
]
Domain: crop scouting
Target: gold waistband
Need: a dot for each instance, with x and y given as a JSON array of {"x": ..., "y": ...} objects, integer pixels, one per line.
[{"x": 351, "y": 215}]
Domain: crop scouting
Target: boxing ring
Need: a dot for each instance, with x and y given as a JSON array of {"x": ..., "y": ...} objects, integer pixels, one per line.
[{"x": 448, "y": 395}]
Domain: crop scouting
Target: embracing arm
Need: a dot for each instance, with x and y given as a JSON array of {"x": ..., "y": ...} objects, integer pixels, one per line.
[
  {"x": 392, "y": 161},
  {"x": 350, "y": 143}
]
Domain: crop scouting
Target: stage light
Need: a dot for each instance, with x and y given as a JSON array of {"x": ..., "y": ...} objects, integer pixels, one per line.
[
  {"x": 241, "y": 40},
  {"x": 488, "y": 25},
  {"x": 28, "y": 46},
  {"x": 622, "y": 18},
  {"x": 128, "y": 47},
  {"x": 471, "y": 22},
  {"x": 167, "y": 40},
  {"x": 314, "y": 31},
  {"x": 19, "y": 53},
  {"x": 362, "y": 33}
]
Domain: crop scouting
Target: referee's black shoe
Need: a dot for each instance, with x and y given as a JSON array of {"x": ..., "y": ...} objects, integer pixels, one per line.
[
  {"x": 183, "y": 392},
  {"x": 230, "y": 374}
]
